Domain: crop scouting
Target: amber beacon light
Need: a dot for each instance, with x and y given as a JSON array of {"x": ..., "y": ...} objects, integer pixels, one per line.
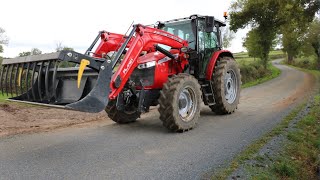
[{"x": 225, "y": 15}]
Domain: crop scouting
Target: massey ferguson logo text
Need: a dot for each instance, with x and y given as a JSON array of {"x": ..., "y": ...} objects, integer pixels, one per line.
[
  {"x": 168, "y": 35},
  {"x": 128, "y": 66}
]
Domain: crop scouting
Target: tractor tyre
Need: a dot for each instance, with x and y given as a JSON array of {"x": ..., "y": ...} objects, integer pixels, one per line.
[
  {"x": 179, "y": 103},
  {"x": 226, "y": 83},
  {"x": 121, "y": 117}
]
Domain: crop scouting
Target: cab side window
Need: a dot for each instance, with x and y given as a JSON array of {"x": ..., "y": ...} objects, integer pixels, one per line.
[{"x": 208, "y": 44}]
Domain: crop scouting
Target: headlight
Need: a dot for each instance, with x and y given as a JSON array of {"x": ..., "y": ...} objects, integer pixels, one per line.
[
  {"x": 147, "y": 65},
  {"x": 184, "y": 49}
]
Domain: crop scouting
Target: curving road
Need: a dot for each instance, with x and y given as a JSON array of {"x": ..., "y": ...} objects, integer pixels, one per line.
[{"x": 145, "y": 150}]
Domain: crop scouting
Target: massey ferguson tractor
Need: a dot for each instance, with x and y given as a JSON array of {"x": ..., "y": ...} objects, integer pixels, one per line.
[{"x": 175, "y": 64}]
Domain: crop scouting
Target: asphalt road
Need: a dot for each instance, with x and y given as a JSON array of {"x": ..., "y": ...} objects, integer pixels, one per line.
[{"x": 146, "y": 150}]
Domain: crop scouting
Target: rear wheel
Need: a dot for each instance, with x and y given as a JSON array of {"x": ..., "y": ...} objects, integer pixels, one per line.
[
  {"x": 122, "y": 117},
  {"x": 180, "y": 103},
  {"x": 226, "y": 86}
]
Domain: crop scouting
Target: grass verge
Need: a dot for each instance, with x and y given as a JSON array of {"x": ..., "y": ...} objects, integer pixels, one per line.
[
  {"x": 252, "y": 70},
  {"x": 274, "y": 72},
  {"x": 299, "y": 155},
  {"x": 252, "y": 149},
  {"x": 3, "y": 97}
]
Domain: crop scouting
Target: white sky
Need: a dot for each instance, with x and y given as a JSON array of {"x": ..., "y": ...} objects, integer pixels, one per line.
[{"x": 42, "y": 24}]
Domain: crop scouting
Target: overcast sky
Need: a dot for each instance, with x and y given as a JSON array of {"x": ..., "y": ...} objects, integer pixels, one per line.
[{"x": 42, "y": 24}]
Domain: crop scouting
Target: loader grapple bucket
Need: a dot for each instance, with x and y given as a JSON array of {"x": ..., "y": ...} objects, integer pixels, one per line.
[{"x": 45, "y": 79}]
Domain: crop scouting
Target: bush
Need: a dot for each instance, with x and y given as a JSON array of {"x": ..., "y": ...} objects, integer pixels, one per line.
[
  {"x": 276, "y": 56},
  {"x": 306, "y": 63},
  {"x": 253, "y": 70}
]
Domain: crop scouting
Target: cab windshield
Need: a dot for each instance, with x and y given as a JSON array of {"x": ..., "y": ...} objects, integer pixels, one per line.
[{"x": 182, "y": 30}]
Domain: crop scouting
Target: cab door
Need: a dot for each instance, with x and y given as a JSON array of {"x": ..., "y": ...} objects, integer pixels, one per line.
[{"x": 207, "y": 44}]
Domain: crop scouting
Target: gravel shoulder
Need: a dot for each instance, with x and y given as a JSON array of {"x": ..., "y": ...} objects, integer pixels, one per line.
[{"x": 18, "y": 118}]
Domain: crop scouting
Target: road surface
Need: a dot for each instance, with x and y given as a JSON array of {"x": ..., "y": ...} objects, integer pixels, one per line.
[{"x": 145, "y": 149}]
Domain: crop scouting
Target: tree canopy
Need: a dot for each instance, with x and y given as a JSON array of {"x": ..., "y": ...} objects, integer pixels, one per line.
[
  {"x": 3, "y": 39},
  {"x": 267, "y": 18},
  {"x": 34, "y": 51},
  {"x": 251, "y": 43},
  {"x": 261, "y": 15},
  {"x": 227, "y": 36},
  {"x": 60, "y": 47},
  {"x": 312, "y": 41}
]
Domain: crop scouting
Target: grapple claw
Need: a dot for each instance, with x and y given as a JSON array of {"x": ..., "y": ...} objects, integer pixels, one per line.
[
  {"x": 42, "y": 79},
  {"x": 98, "y": 97}
]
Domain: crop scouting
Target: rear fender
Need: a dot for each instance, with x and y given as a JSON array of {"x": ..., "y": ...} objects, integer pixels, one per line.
[{"x": 216, "y": 55}]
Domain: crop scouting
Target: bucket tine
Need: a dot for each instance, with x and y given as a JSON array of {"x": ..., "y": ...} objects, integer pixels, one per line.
[
  {"x": 1, "y": 78},
  {"x": 47, "y": 81},
  {"x": 20, "y": 78},
  {"x": 39, "y": 80},
  {"x": 10, "y": 79},
  {"x": 32, "y": 81},
  {"x": 5, "y": 78},
  {"x": 15, "y": 80},
  {"x": 54, "y": 79},
  {"x": 27, "y": 82}
]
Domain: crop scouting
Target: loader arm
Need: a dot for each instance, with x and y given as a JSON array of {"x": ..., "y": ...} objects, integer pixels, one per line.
[
  {"x": 145, "y": 39},
  {"x": 108, "y": 85},
  {"x": 109, "y": 42}
]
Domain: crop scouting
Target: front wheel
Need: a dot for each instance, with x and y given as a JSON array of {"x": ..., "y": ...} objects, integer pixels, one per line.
[
  {"x": 180, "y": 103},
  {"x": 226, "y": 83},
  {"x": 122, "y": 116}
]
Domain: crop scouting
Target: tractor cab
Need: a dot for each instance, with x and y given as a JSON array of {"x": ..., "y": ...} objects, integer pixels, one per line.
[{"x": 204, "y": 38}]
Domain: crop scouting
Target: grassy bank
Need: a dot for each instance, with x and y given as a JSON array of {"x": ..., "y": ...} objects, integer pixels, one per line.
[
  {"x": 306, "y": 62},
  {"x": 3, "y": 97},
  {"x": 299, "y": 155},
  {"x": 253, "y": 75},
  {"x": 253, "y": 72},
  {"x": 272, "y": 56}
]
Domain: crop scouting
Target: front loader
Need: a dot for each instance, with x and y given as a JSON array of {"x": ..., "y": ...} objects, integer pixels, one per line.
[{"x": 176, "y": 64}]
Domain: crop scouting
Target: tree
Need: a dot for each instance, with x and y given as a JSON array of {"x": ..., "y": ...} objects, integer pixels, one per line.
[
  {"x": 297, "y": 16},
  {"x": 227, "y": 37},
  {"x": 60, "y": 47},
  {"x": 251, "y": 43},
  {"x": 291, "y": 41},
  {"x": 272, "y": 17},
  {"x": 262, "y": 16},
  {"x": 25, "y": 53},
  {"x": 313, "y": 39},
  {"x": 34, "y": 51},
  {"x": 3, "y": 39}
]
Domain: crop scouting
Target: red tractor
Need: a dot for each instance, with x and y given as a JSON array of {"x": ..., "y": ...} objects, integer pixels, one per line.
[{"x": 176, "y": 64}]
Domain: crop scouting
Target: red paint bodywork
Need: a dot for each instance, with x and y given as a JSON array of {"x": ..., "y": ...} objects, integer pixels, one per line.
[
  {"x": 144, "y": 40},
  {"x": 162, "y": 70},
  {"x": 109, "y": 42}
]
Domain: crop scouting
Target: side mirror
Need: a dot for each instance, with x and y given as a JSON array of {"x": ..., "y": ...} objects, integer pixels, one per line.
[
  {"x": 209, "y": 23},
  {"x": 159, "y": 25}
]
